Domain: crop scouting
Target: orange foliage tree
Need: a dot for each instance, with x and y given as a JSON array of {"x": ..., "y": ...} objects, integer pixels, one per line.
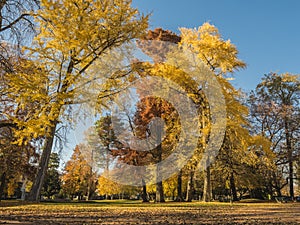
[{"x": 77, "y": 175}]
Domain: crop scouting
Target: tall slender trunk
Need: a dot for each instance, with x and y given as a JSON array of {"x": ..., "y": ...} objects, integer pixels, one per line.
[
  {"x": 190, "y": 187},
  {"x": 107, "y": 166},
  {"x": 233, "y": 188},
  {"x": 91, "y": 187},
  {"x": 43, "y": 166},
  {"x": 290, "y": 157},
  {"x": 207, "y": 196},
  {"x": 179, "y": 197},
  {"x": 91, "y": 184},
  {"x": 107, "y": 159},
  {"x": 144, "y": 194},
  {"x": 207, "y": 187},
  {"x": 291, "y": 173},
  {"x": 3, "y": 178},
  {"x": 159, "y": 196},
  {"x": 276, "y": 184}
]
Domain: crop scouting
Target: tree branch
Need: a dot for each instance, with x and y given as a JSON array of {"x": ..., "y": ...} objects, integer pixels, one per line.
[{"x": 14, "y": 22}]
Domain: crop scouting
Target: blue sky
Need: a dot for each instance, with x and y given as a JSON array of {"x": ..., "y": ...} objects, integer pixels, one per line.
[{"x": 266, "y": 32}]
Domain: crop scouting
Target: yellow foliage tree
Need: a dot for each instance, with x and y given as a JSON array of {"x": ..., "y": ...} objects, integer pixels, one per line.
[
  {"x": 221, "y": 56},
  {"x": 108, "y": 187},
  {"x": 74, "y": 35}
]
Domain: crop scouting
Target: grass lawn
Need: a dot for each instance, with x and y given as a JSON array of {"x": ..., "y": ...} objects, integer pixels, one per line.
[{"x": 134, "y": 212}]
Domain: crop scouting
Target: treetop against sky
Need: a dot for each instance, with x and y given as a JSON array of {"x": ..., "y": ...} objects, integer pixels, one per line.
[{"x": 265, "y": 32}]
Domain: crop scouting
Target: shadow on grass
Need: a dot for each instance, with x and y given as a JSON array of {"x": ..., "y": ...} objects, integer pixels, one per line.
[
  {"x": 135, "y": 203},
  {"x": 13, "y": 203},
  {"x": 130, "y": 203}
]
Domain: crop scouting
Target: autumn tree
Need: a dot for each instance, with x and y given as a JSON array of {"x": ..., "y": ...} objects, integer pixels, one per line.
[
  {"x": 221, "y": 56},
  {"x": 107, "y": 141},
  {"x": 162, "y": 46},
  {"x": 157, "y": 45},
  {"x": 275, "y": 115},
  {"x": 147, "y": 109},
  {"x": 108, "y": 187},
  {"x": 26, "y": 153},
  {"x": 171, "y": 187},
  {"x": 111, "y": 148},
  {"x": 100, "y": 142},
  {"x": 243, "y": 156},
  {"x": 16, "y": 29},
  {"x": 16, "y": 161},
  {"x": 73, "y": 36},
  {"x": 76, "y": 175},
  {"x": 115, "y": 149}
]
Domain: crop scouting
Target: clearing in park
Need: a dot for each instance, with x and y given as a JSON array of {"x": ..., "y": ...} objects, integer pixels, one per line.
[{"x": 133, "y": 212}]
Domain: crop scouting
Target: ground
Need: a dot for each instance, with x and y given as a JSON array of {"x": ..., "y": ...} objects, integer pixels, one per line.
[{"x": 132, "y": 212}]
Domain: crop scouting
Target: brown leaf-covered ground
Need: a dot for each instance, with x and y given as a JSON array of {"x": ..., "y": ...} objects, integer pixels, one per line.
[{"x": 128, "y": 212}]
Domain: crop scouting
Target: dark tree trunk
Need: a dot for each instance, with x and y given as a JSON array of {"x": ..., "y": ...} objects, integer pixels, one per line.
[
  {"x": 277, "y": 184},
  {"x": 179, "y": 197},
  {"x": 290, "y": 157},
  {"x": 278, "y": 191},
  {"x": 91, "y": 190},
  {"x": 233, "y": 188},
  {"x": 43, "y": 166},
  {"x": 291, "y": 178},
  {"x": 207, "y": 186},
  {"x": 3, "y": 178},
  {"x": 144, "y": 194},
  {"x": 159, "y": 195},
  {"x": 190, "y": 187}
]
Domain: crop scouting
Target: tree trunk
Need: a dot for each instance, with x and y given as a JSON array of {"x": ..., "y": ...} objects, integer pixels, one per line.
[
  {"x": 290, "y": 158},
  {"x": 43, "y": 166},
  {"x": 207, "y": 196},
  {"x": 144, "y": 194},
  {"x": 3, "y": 178},
  {"x": 91, "y": 185},
  {"x": 91, "y": 190},
  {"x": 179, "y": 197},
  {"x": 277, "y": 186},
  {"x": 190, "y": 187},
  {"x": 159, "y": 195},
  {"x": 233, "y": 188},
  {"x": 291, "y": 179}
]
